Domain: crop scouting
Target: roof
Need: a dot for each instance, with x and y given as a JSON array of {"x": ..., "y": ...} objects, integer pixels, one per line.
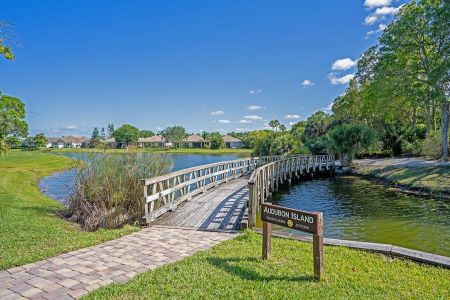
[
  {"x": 152, "y": 139},
  {"x": 54, "y": 140},
  {"x": 74, "y": 139},
  {"x": 110, "y": 140},
  {"x": 230, "y": 139},
  {"x": 195, "y": 138}
]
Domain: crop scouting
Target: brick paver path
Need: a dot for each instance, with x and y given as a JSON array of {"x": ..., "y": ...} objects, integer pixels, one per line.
[{"x": 74, "y": 274}]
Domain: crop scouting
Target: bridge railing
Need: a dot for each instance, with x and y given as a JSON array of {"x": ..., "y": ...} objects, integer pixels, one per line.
[
  {"x": 164, "y": 193},
  {"x": 265, "y": 179}
]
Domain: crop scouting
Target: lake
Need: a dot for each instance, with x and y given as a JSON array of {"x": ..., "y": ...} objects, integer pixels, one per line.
[
  {"x": 59, "y": 185},
  {"x": 354, "y": 208},
  {"x": 358, "y": 209}
]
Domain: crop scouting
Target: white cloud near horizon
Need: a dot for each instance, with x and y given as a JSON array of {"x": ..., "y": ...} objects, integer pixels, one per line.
[
  {"x": 328, "y": 108},
  {"x": 243, "y": 121},
  {"x": 340, "y": 80},
  {"x": 224, "y": 121},
  {"x": 307, "y": 83},
  {"x": 343, "y": 64},
  {"x": 254, "y": 107},
  {"x": 253, "y": 117},
  {"x": 381, "y": 27},
  {"x": 292, "y": 117},
  {"x": 243, "y": 129},
  {"x": 376, "y": 3},
  {"x": 217, "y": 113}
]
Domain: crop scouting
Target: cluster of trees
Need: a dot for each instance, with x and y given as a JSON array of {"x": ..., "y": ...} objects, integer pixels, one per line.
[{"x": 402, "y": 86}]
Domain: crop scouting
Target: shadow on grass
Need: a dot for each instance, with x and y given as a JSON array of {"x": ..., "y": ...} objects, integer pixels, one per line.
[{"x": 232, "y": 266}]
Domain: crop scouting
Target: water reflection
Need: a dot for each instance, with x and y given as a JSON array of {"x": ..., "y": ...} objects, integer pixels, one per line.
[{"x": 357, "y": 209}]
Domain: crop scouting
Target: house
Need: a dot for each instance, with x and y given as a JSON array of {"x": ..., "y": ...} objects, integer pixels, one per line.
[
  {"x": 155, "y": 141},
  {"x": 232, "y": 142},
  {"x": 54, "y": 142},
  {"x": 193, "y": 141},
  {"x": 74, "y": 141},
  {"x": 111, "y": 142}
]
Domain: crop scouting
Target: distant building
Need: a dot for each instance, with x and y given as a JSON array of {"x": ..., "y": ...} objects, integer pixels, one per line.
[
  {"x": 193, "y": 141},
  {"x": 67, "y": 142},
  {"x": 111, "y": 142},
  {"x": 232, "y": 142},
  {"x": 155, "y": 141}
]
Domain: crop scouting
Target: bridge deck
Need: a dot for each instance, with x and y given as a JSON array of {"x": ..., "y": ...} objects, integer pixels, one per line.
[{"x": 219, "y": 208}]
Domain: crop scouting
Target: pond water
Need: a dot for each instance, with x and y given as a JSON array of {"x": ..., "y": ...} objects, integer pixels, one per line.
[
  {"x": 354, "y": 208},
  {"x": 357, "y": 209},
  {"x": 59, "y": 185}
]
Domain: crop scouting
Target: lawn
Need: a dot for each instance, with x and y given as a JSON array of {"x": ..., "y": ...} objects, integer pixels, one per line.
[
  {"x": 240, "y": 152},
  {"x": 31, "y": 229},
  {"x": 432, "y": 178},
  {"x": 234, "y": 270}
]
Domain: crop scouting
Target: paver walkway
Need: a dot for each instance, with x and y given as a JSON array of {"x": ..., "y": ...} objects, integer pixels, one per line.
[{"x": 74, "y": 274}]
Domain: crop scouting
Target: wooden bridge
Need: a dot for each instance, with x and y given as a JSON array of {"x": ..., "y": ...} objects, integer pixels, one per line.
[{"x": 221, "y": 195}]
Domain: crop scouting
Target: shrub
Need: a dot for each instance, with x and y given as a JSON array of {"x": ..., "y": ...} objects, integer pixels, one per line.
[
  {"x": 108, "y": 192},
  {"x": 431, "y": 145}
]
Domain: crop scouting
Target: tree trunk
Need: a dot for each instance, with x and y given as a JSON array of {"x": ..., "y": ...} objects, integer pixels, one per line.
[
  {"x": 444, "y": 129},
  {"x": 428, "y": 117}
]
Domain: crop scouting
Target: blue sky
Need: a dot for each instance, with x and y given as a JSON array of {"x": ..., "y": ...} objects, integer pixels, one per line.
[{"x": 206, "y": 65}]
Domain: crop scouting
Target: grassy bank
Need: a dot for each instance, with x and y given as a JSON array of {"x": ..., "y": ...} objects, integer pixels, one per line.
[
  {"x": 30, "y": 230},
  {"x": 434, "y": 179},
  {"x": 240, "y": 152},
  {"x": 234, "y": 270}
]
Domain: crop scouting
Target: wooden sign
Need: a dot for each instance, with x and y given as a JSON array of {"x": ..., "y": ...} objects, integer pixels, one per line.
[{"x": 311, "y": 222}]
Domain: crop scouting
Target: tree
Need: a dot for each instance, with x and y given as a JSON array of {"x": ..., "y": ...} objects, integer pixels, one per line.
[
  {"x": 146, "y": 133},
  {"x": 4, "y": 50},
  {"x": 317, "y": 125},
  {"x": 126, "y": 135},
  {"x": 348, "y": 140},
  {"x": 174, "y": 134},
  {"x": 39, "y": 140},
  {"x": 275, "y": 125},
  {"x": 95, "y": 134},
  {"x": 12, "y": 142},
  {"x": 215, "y": 140},
  {"x": 12, "y": 120},
  {"x": 298, "y": 130},
  {"x": 110, "y": 130},
  {"x": 102, "y": 134}
]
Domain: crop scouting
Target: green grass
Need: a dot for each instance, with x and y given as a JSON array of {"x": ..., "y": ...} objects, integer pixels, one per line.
[
  {"x": 30, "y": 229},
  {"x": 234, "y": 270},
  {"x": 240, "y": 152},
  {"x": 432, "y": 178}
]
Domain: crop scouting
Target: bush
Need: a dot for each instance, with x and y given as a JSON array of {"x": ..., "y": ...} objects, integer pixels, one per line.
[
  {"x": 431, "y": 145},
  {"x": 108, "y": 192},
  {"x": 411, "y": 149}
]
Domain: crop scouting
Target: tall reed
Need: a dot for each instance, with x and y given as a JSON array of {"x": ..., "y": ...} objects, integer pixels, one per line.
[{"x": 108, "y": 192}]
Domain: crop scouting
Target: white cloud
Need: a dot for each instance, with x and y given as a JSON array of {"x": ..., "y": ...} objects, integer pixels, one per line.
[
  {"x": 254, "y": 92},
  {"x": 307, "y": 83},
  {"x": 71, "y": 127},
  {"x": 376, "y": 3},
  {"x": 292, "y": 117},
  {"x": 380, "y": 13},
  {"x": 217, "y": 113},
  {"x": 340, "y": 80},
  {"x": 386, "y": 10},
  {"x": 159, "y": 128},
  {"x": 343, "y": 64},
  {"x": 244, "y": 121},
  {"x": 253, "y": 117},
  {"x": 292, "y": 123},
  {"x": 254, "y": 107},
  {"x": 369, "y": 20},
  {"x": 381, "y": 27},
  {"x": 242, "y": 129},
  {"x": 328, "y": 108},
  {"x": 224, "y": 121}
]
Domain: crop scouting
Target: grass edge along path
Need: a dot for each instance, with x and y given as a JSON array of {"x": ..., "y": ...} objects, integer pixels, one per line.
[
  {"x": 429, "y": 179},
  {"x": 235, "y": 270},
  {"x": 30, "y": 229}
]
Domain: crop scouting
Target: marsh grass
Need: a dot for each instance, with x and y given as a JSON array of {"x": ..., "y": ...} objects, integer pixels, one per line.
[{"x": 108, "y": 191}]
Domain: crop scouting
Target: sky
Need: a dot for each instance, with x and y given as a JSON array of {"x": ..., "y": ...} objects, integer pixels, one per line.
[{"x": 206, "y": 65}]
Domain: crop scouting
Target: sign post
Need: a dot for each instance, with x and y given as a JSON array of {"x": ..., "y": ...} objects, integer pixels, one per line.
[{"x": 311, "y": 222}]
